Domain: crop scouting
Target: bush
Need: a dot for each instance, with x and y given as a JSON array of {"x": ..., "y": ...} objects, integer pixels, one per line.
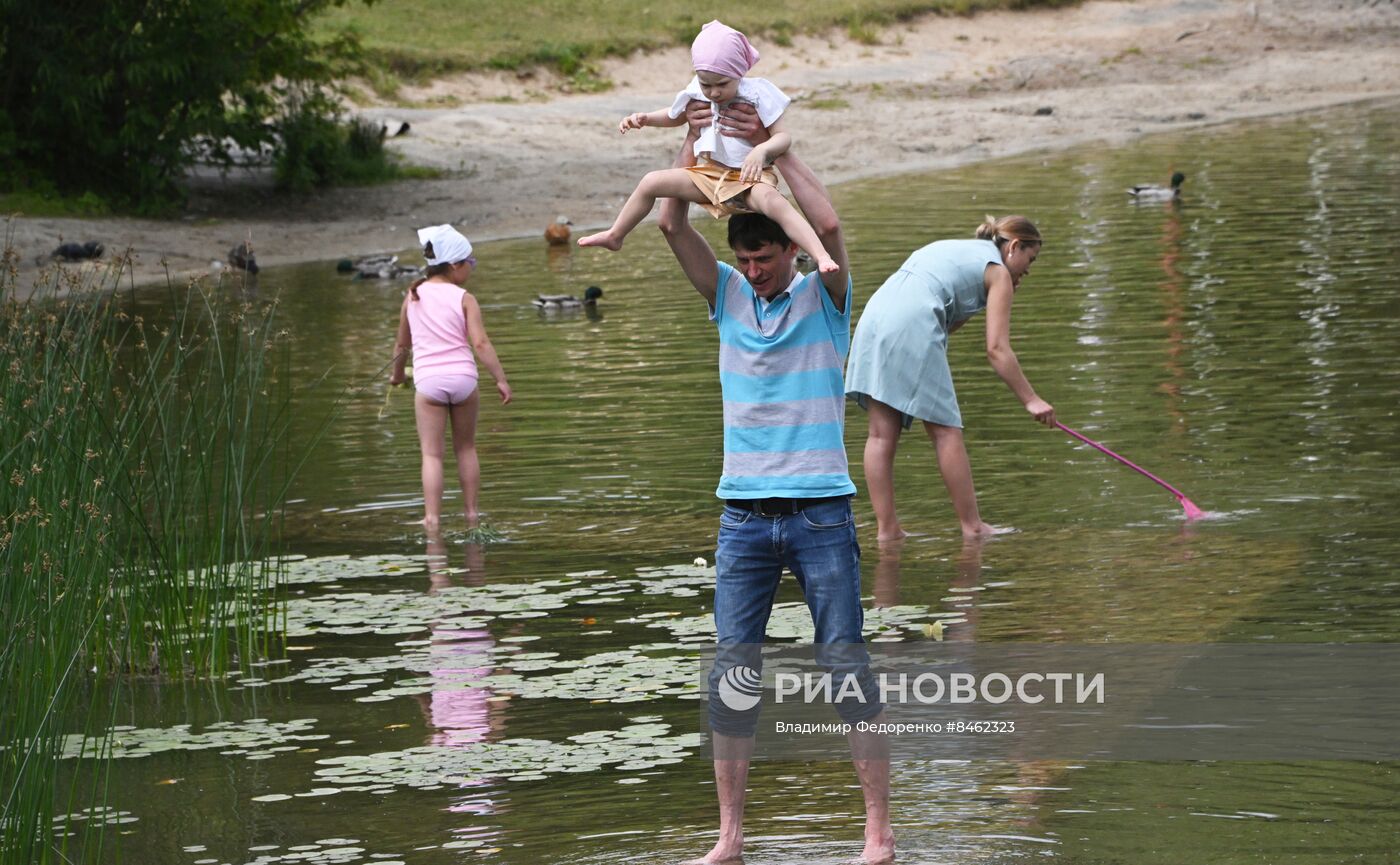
[
  {"x": 317, "y": 151},
  {"x": 366, "y": 140},
  {"x": 112, "y": 101},
  {"x": 313, "y": 151}
]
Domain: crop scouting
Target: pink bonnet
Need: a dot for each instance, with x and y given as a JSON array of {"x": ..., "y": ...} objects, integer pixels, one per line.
[{"x": 722, "y": 50}]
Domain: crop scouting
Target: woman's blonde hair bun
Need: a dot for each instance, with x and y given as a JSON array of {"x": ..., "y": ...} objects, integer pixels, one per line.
[{"x": 1008, "y": 228}]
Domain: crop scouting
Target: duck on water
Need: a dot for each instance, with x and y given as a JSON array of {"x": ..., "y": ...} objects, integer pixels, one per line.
[
  {"x": 566, "y": 302},
  {"x": 1155, "y": 192}
]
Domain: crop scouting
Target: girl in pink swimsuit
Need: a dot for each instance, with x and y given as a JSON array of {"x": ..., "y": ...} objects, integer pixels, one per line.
[{"x": 443, "y": 324}]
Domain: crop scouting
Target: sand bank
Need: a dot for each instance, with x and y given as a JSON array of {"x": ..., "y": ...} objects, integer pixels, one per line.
[{"x": 935, "y": 92}]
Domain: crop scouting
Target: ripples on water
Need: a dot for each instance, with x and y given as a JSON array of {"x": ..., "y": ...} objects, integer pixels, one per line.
[{"x": 1244, "y": 345}]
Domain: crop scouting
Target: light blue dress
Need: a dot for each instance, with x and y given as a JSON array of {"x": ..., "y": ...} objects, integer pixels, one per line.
[{"x": 899, "y": 354}]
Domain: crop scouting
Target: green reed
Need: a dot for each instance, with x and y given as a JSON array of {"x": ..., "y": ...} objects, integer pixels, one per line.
[{"x": 144, "y": 469}]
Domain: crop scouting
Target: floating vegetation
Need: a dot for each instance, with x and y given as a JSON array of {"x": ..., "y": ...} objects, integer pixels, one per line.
[
  {"x": 466, "y": 607},
  {"x": 326, "y": 851},
  {"x": 644, "y": 744},
  {"x": 453, "y": 656},
  {"x": 97, "y": 815},
  {"x": 299, "y": 570},
  {"x": 484, "y": 533},
  {"x": 443, "y": 646},
  {"x": 254, "y": 739},
  {"x": 792, "y": 622},
  {"x": 87, "y": 818},
  {"x": 623, "y": 676}
]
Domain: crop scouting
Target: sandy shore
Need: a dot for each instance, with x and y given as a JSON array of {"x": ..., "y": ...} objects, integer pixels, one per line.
[{"x": 935, "y": 92}]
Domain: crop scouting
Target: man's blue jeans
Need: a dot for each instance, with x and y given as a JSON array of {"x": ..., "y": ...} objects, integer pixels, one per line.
[{"x": 818, "y": 544}]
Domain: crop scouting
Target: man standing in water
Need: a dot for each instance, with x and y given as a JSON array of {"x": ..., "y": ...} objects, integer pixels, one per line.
[{"x": 786, "y": 485}]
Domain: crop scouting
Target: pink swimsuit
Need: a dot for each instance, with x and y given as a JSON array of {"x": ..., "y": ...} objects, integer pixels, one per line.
[{"x": 444, "y": 369}]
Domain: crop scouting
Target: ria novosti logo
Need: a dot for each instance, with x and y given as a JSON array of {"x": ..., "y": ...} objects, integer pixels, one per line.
[{"x": 740, "y": 688}]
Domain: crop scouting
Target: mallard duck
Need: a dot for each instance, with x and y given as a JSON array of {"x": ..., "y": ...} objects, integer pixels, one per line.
[
  {"x": 382, "y": 266},
  {"x": 78, "y": 251},
  {"x": 557, "y": 232},
  {"x": 241, "y": 257},
  {"x": 564, "y": 302},
  {"x": 1153, "y": 192}
]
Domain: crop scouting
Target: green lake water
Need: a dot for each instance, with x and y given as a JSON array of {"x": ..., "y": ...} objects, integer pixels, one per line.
[{"x": 1244, "y": 345}]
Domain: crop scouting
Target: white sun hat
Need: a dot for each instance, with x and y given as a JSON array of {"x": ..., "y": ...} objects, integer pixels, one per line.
[{"x": 443, "y": 244}]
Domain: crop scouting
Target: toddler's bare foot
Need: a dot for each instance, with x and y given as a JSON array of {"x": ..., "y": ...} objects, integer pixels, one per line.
[
  {"x": 827, "y": 264},
  {"x": 430, "y": 524},
  {"x": 604, "y": 239},
  {"x": 895, "y": 534}
]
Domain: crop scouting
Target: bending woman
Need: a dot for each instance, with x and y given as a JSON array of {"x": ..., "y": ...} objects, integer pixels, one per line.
[{"x": 898, "y": 369}]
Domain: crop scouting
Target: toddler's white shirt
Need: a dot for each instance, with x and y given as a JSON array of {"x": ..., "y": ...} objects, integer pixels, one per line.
[{"x": 724, "y": 149}]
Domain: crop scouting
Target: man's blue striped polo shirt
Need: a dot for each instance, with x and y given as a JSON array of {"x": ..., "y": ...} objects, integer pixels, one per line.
[{"x": 780, "y": 371}]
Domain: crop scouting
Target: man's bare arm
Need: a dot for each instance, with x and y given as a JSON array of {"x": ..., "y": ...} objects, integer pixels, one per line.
[
  {"x": 692, "y": 251},
  {"x": 815, "y": 202},
  {"x": 740, "y": 120}
]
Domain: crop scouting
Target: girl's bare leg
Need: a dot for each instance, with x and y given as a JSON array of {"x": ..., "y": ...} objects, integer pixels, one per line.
[
  {"x": 957, "y": 476},
  {"x": 666, "y": 183},
  {"x": 771, "y": 203},
  {"x": 431, "y": 418},
  {"x": 464, "y": 446},
  {"x": 880, "y": 444}
]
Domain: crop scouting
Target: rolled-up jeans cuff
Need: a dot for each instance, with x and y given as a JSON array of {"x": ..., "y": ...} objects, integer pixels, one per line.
[
  {"x": 735, "y": 728},
  {"x": 853, "y": 712}
]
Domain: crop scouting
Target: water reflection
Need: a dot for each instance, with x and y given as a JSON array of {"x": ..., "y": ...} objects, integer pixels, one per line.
[
  {"x": 1243, "y": 343},
  {"x": 889, "y": 557},
  {"x": 967, "y": 581},
  {"x": 1172, "y": 289},
  {"x": 460, "y": 714}
]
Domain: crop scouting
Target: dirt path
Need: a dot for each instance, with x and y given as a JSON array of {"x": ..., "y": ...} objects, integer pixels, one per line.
[{"x": 934, "y": 93}]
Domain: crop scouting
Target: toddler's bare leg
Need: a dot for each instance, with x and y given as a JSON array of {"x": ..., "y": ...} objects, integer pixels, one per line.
[
  {"x": 770, "y": 202},
  {"x": 666, "y": 183}
]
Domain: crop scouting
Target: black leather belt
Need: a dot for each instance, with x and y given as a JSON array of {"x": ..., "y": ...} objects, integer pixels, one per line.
[{"x": 780, "y": 507}]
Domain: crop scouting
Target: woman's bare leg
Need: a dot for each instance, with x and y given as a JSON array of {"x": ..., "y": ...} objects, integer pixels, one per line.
[
  {"x": 464, "y": 446},
  {"x": 771, "y": 203},
  {"x": 431, "y": 418},
  {"x": 666, "y": 183},
  {"x": 957, "y": 476},
  {"x": 880, "y": 444}
]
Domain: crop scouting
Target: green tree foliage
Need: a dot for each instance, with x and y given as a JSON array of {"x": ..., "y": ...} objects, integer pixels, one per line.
[{"x": 121, "y": 96}]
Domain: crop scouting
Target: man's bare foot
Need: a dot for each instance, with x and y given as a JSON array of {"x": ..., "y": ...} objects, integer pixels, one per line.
[
  {"x": 604, "y": 239},
  {"x": 827, "y": 264},
  {"x": 896, "y": 534},
  {"x": 878, "y": 850}
]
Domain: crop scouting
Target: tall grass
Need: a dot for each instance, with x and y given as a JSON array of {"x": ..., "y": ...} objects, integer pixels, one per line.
[{"x": 144, "y": 469}]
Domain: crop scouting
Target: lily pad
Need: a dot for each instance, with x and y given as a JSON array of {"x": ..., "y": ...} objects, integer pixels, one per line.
[
  {"x": 631, "y": 748},
  {"x": 252, "y": 739}
]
